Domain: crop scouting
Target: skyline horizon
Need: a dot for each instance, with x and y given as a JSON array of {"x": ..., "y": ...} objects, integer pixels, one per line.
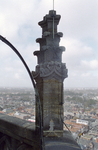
[{"x": 9, "y": 87}]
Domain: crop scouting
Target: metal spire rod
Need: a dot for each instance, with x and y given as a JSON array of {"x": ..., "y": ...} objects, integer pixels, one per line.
[
  {"x": 53, "y": 19},
  {"x": 53, "y": 4}
]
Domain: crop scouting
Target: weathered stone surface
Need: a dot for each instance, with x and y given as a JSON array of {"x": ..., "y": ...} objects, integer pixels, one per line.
[
  {"x": 64, "y": 143},
  {"x": 52, "y": 104},
  {"x": 19, "y": 134},
  {"x": 18, "y": 129},
  {"x": 50, "y": 73},
  {"x": 51, "y": 70},
  {"x": 47, "y": 23},
  {"x": 49, "y": 53}
]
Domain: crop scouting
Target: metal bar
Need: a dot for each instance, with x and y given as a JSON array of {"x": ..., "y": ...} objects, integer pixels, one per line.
[
  {"x": 53, "y": 19},
  {"x": 33, "y": 83},
  {"x": 53, "y": 4}
]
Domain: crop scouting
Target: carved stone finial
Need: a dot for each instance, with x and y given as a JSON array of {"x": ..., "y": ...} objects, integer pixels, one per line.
[{"x": 50, "y": 73}]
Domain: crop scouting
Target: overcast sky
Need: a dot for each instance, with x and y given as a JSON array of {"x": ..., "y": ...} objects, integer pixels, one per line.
[{"x": 79, "y": 24}]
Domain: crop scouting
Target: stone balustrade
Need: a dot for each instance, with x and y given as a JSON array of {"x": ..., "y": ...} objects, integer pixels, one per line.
[{"x": 17, "y": 134}]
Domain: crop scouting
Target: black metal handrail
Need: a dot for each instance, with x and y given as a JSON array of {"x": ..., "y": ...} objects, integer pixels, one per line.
[{"x": 34, "y": 85}]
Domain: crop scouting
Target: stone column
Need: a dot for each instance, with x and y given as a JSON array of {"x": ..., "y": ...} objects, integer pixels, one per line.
[{"x": 50, "y": 73}]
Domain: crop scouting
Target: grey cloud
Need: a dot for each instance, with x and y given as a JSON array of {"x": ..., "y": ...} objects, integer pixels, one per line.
[{"x": 19, "y": 24}]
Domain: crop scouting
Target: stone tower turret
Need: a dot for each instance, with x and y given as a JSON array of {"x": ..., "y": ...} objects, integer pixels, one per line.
[{"x": 50, "y": 73}]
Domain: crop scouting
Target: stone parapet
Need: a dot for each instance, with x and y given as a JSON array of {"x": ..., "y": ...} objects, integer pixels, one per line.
[
  {"x": 17, "y": 134},
  {"x": 66, "y": 142}
]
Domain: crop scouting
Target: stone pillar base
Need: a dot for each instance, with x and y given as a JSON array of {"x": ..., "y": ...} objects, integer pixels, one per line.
[{"x": 55, "y": 133}]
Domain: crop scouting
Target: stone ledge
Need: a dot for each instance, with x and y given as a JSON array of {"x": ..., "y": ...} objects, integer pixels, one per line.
[
  {"x": 19, "y": 129},
  {"x": 64, "y": 143}
]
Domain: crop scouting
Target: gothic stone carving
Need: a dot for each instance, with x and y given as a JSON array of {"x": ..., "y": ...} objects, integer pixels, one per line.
[
  {"x": 50, "y": 70},
  {"x": 49, "y": 53}
]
